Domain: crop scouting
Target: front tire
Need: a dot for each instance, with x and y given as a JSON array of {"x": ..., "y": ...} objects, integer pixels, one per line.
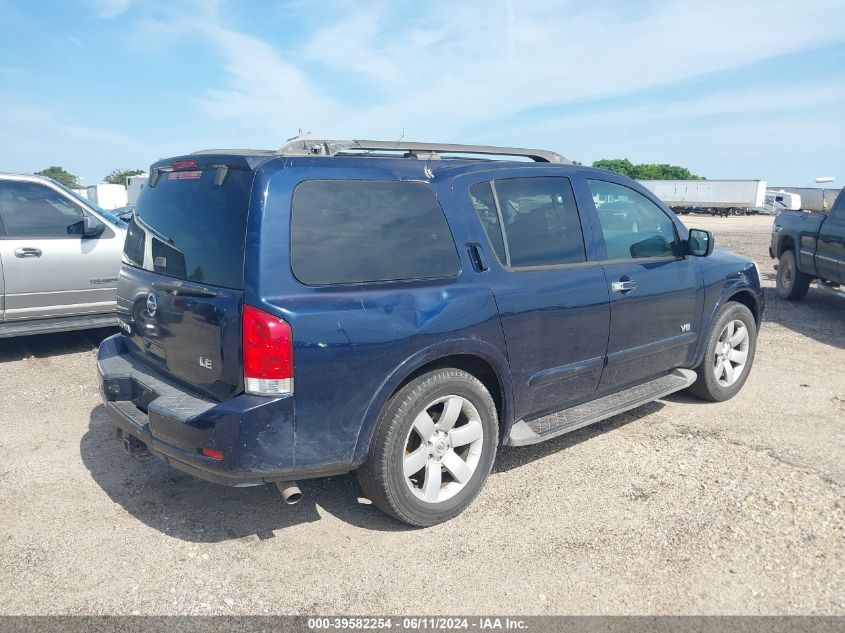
[
  {"x": 791, "y": 284},
  {"x": 729, "y": 354},
  {"x": 432, "y": 448}
]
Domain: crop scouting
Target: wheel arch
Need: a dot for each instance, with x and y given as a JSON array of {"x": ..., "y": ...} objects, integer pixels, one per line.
[
  {"x": 742, "y": 295},
  {"x": 480, "y": 359},
  {"x": 787, "y": 243},
  {"x": 749, "y": 300}
]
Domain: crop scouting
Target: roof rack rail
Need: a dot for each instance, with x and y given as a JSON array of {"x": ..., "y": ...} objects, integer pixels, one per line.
[{"x": 313, "y": 147}]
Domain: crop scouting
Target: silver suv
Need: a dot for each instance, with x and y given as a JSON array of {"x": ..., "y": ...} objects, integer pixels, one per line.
[{"x": 59, "y": 258}]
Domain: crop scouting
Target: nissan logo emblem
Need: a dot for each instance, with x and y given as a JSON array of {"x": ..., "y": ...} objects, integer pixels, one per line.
[{"x": 152, "y": 304}]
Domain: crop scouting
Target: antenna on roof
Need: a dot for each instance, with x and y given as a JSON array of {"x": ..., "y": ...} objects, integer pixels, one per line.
[{"x": 301, "y": 136}]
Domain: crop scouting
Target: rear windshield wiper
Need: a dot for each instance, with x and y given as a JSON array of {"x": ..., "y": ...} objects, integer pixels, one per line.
[{"x": 180, "y": 289}]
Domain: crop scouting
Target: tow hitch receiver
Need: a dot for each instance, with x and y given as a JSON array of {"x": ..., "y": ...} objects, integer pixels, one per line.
[{"x": 132, "y": 445}]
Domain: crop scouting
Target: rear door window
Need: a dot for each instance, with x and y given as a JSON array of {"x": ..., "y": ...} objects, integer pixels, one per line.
[
  {"x": 193, "y": 227},
  {"x": 354, "y": 231},
  {"x": 838, "y": 210},
  {"x": 537, "y": 218},
  {"x": 481, "y": 196}
]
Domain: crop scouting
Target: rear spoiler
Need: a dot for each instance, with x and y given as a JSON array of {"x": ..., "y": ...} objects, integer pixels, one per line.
[{"x": 189, "y": 165}]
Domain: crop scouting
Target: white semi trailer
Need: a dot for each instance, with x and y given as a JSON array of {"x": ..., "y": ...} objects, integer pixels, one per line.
[
  {"x": 107, "y": 196},
  {"x": 134, "y": 184},
  {"x": 737, "y": 197}
]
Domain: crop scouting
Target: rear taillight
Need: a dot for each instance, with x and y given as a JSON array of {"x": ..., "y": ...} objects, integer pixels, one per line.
[{"x": 268, "y": 353}]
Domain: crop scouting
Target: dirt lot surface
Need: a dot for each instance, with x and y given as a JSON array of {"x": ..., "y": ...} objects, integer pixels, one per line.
[{"x": 676, "y": 507}]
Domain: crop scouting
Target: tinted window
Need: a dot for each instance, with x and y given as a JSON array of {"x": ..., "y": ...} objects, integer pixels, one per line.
[
  {"x": 346, "y": 231},
  {"x": 31, "y": 209},
  {"x": 196, "y": 229},
  {"x": 133, "y": 247},
  {"x": 633, "y": 226},
  {"x": 838, "y": 210},
  {"x": 540, "y": 221},
  {"x": 481, "y": 195}
]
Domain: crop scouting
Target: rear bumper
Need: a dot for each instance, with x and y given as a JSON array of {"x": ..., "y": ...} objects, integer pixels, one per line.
[{"x": 254, "y": 433}]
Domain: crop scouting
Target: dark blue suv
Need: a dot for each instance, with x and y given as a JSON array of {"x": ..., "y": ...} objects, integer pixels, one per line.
[{"x": 403, "y": 309}]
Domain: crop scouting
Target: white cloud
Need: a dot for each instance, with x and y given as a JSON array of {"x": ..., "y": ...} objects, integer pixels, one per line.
[
  {"x": 35, "y": 137},
  {"x": 50, "y": 126},
  {"x": 753, "y": 132},
  {"x": 358, "y": 37},
  {"x": 466, "y": 71},
  {"x": 465, "y": 63},
  {"x": 757, "y": 98},
  {"x": 108, "y": 9},
  {"x": 77, "y": 42},
  {"x": 268, "y": 92}
]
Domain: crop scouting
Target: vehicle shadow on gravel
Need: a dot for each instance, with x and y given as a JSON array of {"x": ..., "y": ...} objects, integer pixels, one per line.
[
  {"x": 819, "y": 316},
  {"x": 190, "y": 509},
  {"x": 47, "y": 345},
  {"x": 514, "y": 457}
]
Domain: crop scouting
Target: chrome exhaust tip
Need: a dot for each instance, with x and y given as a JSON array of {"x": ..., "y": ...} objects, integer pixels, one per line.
[{"x": 290, "y": 492}]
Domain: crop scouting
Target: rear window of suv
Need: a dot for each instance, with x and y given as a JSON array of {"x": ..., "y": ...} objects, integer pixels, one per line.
[
  {"x": 355, "y": 231},
  {"x": 189, "y": 227}
]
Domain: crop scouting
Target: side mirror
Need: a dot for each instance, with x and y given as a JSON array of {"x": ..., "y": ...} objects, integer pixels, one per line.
[
  {"x": 700, "y": 243},
  {"x": 92, "y": 227}
]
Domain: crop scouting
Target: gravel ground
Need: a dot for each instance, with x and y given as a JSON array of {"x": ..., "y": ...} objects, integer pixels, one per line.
[{"x": 677, "y": 507}]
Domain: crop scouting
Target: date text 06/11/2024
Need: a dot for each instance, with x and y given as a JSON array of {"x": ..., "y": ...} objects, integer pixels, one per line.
[{"x": 417, "y": 623}]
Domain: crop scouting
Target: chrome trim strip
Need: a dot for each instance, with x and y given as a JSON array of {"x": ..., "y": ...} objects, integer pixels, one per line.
[
  {"x": 617, "y": 358},
  {"x": 565, "y": 371}
]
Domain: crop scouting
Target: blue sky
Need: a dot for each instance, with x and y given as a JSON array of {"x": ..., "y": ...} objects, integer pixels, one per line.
[{"x": 730, "y": 89}]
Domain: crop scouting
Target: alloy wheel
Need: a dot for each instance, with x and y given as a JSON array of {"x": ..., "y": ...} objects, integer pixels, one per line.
[
  {"x": 731, "y": 353},
  {"x": 443, "y": 448}
]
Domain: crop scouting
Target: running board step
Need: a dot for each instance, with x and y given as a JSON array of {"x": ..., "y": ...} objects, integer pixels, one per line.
[
  {"x": 61, "y": 324},
  {"x": 549, "y": 426}
]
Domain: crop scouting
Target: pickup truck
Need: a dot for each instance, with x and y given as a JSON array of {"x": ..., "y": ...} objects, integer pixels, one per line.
[
  {"x": 59, "y": 259},
  {"x": 809, "y": 246}
]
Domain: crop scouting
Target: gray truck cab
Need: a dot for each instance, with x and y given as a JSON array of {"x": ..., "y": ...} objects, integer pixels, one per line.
[
  {"x": 809, "y": 246},
  {"x": 59, "y": 258}
]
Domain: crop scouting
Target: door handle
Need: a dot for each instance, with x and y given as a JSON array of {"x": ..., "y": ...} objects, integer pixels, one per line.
[
  {"x": 623, "y": 286},
  {"x": 28, "y": 251},
  {"x": 476, "y": 255}
]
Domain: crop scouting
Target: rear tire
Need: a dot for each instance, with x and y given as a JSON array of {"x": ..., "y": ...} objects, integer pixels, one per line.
[
  {"x": 728, "y": 356},
  {"x": 791, "y": 284},
  {"x": 432, "y": 448}
]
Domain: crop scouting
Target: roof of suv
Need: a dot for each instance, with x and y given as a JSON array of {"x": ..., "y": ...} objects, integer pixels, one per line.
[
  {"x": 393, "y": 149},
  {"x": 6, "y": 175},
  {"x": 404, "y": 157}
]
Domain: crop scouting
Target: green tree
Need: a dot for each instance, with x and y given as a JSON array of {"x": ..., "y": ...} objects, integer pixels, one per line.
[
  {"x": 60, "y": 175},
  {"x": 619, "y": 165},
  {"x": 647, "y": 171},
  {"x": 120, "y": 176}
]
